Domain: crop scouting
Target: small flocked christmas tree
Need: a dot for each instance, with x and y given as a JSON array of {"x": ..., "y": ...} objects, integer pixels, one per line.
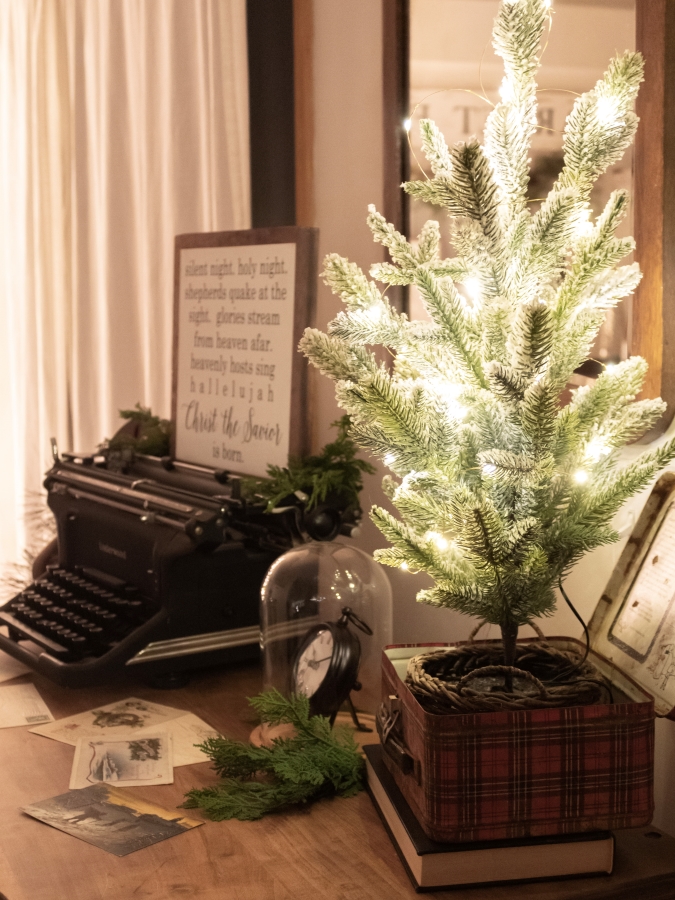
[{"x": 500, "y": 487}]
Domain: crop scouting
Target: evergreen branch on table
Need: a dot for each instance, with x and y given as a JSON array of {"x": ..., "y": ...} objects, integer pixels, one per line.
[{"x": 316, "y": 762}]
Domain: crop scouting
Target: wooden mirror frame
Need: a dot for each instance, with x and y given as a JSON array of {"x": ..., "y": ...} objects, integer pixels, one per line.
[
  {"x": 653, "y": 319},
  {"x": 654, "y": 197}
]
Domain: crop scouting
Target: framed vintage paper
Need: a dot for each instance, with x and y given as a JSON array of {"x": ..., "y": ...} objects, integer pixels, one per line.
[
  {"x": 242, "y": 301},
  {"x": 634, "y": 623}
]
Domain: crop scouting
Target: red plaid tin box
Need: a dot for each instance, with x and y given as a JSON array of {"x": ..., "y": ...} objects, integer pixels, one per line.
[
  {"x": 487, "y": 776},
  {"x": 484, "y": 776}
]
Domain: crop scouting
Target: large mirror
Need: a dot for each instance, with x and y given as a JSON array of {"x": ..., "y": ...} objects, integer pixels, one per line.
[
  {"x": 436, "y": 52},
  {"x": 454, "y": 80}
]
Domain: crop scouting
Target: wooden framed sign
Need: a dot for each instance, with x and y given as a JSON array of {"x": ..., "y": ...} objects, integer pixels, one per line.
[
  {"x": 634, "y": 623},
  {"x": 242, "y": 300}
]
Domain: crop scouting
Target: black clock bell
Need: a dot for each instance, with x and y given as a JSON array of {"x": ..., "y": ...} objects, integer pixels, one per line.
[{"x": 327, "y": 664}]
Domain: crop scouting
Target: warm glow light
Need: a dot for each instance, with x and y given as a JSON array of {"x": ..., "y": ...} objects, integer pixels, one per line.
[
  {"x": 438, "y": 539},
  {"x": 506, "y": 91},
  {"x": 583, "y": 227},
  {"x": 610, "y": 367},
  {"x": 607, "y": 111},
  {"x": 407, "y": 124},
  {"x": 448, "y": 390},
  {"x": 404, "y": 566},
  {"x": 489, "y": 469},
  {"x": 581, "y": 476},
  {"x": 596, "y": 449},
  {"x": 474, "y": 289},
  {"x": 390, "y": 459},
  {"x": 374, "y": 313}
]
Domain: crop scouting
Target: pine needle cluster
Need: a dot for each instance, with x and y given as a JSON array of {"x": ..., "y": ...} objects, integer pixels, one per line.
[
  {"x": 317, "y": 762},
  {"x": 499, "y": 487},
  {"x": 335, "y": 471},
  {"x": 151, "y": 435}
]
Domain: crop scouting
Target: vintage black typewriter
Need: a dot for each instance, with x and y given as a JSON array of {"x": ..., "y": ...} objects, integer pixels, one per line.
[{"x": 157, "y": 568}]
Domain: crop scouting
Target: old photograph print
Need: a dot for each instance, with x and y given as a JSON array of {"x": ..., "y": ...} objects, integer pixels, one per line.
[
  {"x": 124, "y": 761},
  {"x": 110, "y": 818}
]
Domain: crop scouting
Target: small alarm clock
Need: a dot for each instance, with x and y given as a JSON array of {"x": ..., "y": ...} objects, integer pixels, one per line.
[{"x": 327, "y": 664}]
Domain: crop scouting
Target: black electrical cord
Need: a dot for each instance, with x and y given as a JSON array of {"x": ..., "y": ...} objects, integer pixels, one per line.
[{"x": 587, "y": 637}]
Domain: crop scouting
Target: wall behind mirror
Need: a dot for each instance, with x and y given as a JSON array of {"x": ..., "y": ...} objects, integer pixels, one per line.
[{"x": 454, "y": 80}]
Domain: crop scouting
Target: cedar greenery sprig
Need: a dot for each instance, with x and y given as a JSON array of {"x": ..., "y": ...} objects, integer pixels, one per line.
[
  {"x": 335, "y": 470},
  {"x": 317, "y": 762},
  {"x": 153, "y": 434}
]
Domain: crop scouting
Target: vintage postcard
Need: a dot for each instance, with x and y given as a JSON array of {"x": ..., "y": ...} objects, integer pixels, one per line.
[
  {"x": 111, "y": 818},
  {"x": 11, "y": 668},
  {"x": 128, "y": 761},
  {"x": 188, "y": 731},
  {"x": 20, "y": 704},
  {"x": 139, "y": 716},
  {"x": 127, "y": 715}
]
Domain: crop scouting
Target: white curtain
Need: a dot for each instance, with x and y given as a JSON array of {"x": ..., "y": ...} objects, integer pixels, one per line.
[{"x": 122, "y": 124}]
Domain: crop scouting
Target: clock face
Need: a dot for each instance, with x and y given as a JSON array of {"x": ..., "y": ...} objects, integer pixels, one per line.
[{"x": 313, "y": 663}]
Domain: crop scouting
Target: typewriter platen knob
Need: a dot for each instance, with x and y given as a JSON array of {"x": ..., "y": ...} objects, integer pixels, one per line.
[{"x": 203, "y": 528}]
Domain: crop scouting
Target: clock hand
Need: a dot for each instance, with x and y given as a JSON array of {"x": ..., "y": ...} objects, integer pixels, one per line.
[{"x": 314, "y": 663}]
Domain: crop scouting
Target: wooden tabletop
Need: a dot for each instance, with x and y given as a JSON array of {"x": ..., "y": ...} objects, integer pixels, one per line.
[{"x": 335, "y": 850}]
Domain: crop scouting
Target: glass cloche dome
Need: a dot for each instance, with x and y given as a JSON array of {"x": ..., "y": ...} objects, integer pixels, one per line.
[{"x": 312, "y": 585}]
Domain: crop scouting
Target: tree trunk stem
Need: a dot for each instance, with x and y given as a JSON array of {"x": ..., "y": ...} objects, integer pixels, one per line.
[{"x": 509, "y": 638}]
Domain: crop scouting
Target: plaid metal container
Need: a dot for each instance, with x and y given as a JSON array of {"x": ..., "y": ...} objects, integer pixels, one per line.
[{"x": 488, "y": 776}]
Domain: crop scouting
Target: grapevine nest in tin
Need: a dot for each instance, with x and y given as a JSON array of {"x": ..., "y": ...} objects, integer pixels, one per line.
[{"x": 470, "y": 678}]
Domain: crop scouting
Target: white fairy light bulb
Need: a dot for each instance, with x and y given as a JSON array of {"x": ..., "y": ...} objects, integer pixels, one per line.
[
  {"x": 583, "y": 227},
  {"x": 407, "y": 124},
  {"x": 607, "y": 111},
  {"x": 596, "y": 449},
  {"x": 581, "y": 476},
  {"x": 437, "y": 539},
  {"x": 506, "y": 94},
  {"x": 404, "y": 566},
  {"x": 489, "y": 469},
  {"x": 449, "y": 392},
  {"x": 610, "y": 367},
  {"x": 389, "y": 459},
  {"x": 374, "y": 313},
  {"x": 474, "y": 289}
]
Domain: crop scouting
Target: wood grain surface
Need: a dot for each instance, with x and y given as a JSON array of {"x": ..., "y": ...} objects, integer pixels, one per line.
[{"x": 335, "y": 850}]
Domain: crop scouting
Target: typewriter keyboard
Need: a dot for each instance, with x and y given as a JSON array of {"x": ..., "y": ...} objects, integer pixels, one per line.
[{"x": 72, "y": 616}]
